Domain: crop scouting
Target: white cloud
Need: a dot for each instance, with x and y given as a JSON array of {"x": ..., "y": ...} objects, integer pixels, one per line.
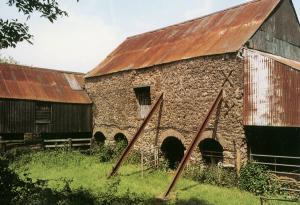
[{"x": 77, "y": 43}]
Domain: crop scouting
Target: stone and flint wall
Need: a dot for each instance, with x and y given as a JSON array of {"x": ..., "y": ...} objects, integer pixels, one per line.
[{"x": 189, "y": 87}]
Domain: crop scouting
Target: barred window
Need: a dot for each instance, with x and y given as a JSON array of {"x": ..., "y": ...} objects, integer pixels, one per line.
[
  {"x": 43, "y": 113},
  {"x": 144, "y": 99}
]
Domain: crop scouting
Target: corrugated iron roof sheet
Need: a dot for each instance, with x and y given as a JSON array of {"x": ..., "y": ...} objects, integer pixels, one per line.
[
  {"x": 28, "y": 83},
  {"x": 222, "y": 32},
  {"x": 271, "y": 90}
]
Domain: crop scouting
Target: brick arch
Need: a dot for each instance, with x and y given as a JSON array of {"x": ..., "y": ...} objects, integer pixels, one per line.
[
  {"x": 209, "y": 135},
  {"x": 101, "y": 131},
  {"x": 99, "y": 137},
  {"x": 171, "y": 132},
  {"x": 120, "y": 137}
]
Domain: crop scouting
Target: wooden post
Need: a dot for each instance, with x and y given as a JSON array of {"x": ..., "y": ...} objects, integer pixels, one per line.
[
  {"x": 2, "y": 145},
  {"x": 261, "y": 201},
  {"x": 238, "y": 161},
  {"x": 142, "y": 163},
  {"x": 70, "y": 143}
]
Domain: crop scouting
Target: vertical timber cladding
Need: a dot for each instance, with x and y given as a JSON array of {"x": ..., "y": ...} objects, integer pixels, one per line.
[
  {"x": 19, "y": 116},
  {"x": 272, "y": 92},
  {"x": 189, "y": 88},
  {"x": 275, "y": 37},
  {"x": 16, "y": 116}
]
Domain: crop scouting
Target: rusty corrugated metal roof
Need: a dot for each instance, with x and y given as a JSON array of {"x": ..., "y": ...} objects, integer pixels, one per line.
[
  {"x": 271, "y": 90},
  {"x": 28, "y": 83},
  {"x": 222, "y": 32}
]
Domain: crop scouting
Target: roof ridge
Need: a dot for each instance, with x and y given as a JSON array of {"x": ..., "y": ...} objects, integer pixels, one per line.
[
  {"x": 45, "y": 69},
  {"x": 195, "y": 19}
]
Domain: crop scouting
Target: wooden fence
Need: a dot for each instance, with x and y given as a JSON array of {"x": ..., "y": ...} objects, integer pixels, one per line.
[
  {"x": 278, "y": 164},
  {"x": 264, "y": 200},
  {"x": 47, "y": 143}
]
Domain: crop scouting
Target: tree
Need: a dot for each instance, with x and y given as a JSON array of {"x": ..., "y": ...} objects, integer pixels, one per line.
[
  {"x": 12, "y": 31},
  {"x": 9, "y": 60}
]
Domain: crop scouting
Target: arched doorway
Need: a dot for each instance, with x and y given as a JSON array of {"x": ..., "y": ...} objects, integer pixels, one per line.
[
  {"x": 121, "y": 142},
  {"x": 99, "y": 137},
  {"x": 121, "y": 138},
  {"x": 173, "y": 151},
  {"x": 211, "y": 151}
]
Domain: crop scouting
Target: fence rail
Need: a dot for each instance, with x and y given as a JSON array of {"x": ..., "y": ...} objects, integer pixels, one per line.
[
  {"x": 67, "y": 142},
  {"x": 50, "y": 143},
  {"x": 264, "y": 199},
  {"x": 266, "y": 160},
  {"x": 286, "y": 167}
]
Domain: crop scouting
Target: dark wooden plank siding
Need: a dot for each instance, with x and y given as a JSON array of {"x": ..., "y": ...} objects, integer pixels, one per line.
[
  {"x": 17, "y": 116},
  {"x": 279, "y": 35}
]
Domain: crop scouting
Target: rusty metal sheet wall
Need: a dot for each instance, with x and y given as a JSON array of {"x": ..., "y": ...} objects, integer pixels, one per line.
[
  {"x": 27, "y": 83},
  {"x": 222, "y": 32},
  {"x": 271, "y": 91}
]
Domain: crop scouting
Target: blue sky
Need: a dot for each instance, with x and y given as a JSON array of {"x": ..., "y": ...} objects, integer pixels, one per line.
[{"x": 94, "y": 28}]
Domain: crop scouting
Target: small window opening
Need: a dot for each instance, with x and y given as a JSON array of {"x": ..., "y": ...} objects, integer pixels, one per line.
[
  {"x": 211, "y": 151},
  {"x": 144, "y": 99},
  {"x": 43, "y": 113}
]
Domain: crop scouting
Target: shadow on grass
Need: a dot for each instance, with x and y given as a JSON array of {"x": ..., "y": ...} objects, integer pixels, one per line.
[
  {"x": 192, "y": 201},
  {"x": 189, "y": 187},
  {"x": 136, "y": 172}
]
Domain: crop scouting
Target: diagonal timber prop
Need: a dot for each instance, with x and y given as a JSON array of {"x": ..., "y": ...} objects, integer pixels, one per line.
[
  {"x": 135, "y": 137},
  {"x": 192, "y": 146}
]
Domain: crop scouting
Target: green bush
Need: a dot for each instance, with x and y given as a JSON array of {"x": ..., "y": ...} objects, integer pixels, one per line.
[
  {"x": 212, "y": 175},
  {"x": 106, "y": 153},
  {"x": 15, "y": 153},
  {"x": 134, "y": 157},
  {"x": 255, "y": 178}
]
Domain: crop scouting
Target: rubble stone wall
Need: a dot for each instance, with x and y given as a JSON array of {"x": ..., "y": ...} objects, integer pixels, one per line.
[{"x": 189, "y": 88}]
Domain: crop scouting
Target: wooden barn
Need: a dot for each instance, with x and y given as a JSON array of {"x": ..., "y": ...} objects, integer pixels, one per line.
[{"x": 43, "y": 102}]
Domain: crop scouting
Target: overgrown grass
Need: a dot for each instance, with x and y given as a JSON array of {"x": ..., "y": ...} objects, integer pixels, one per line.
[{"x": 87, "y": 172}]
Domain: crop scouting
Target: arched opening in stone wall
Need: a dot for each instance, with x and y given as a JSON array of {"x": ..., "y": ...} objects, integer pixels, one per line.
[
  {"x": 211, "y": 151},
  {"x": 99, "y": 137},
  {"x": 173, "y": 151},
  {"x": 121, "y": 142}
]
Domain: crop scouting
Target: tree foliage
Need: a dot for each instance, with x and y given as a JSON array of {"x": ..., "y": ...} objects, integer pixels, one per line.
[
  {"x": 9, "y": 60},
  {"x": 12, "y": 31}
]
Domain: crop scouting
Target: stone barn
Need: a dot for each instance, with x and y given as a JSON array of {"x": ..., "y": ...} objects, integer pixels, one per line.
[
  {"x": 43, "y": 102},
  {"x": 252, "y": 51}
]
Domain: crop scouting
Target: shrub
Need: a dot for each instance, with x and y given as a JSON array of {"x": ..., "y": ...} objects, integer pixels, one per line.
[
  {"x": 212, "y": 175},
  {"x": 256, "y": 179},
  {"x": 134, "y": 157},
  {"x": 106, "y": 153},
  {"x": 16, "y": 152}
]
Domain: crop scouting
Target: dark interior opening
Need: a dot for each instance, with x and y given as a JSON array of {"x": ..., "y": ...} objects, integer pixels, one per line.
[
  {"x": 121, "y": 138},
  {"x": 283, "y": 142},
  {"x": 211, "y": 151},
  {"x": 173, "y": 151},
  {"x": 121, "y": 142},
  {"x": 99, "y": 137}
]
